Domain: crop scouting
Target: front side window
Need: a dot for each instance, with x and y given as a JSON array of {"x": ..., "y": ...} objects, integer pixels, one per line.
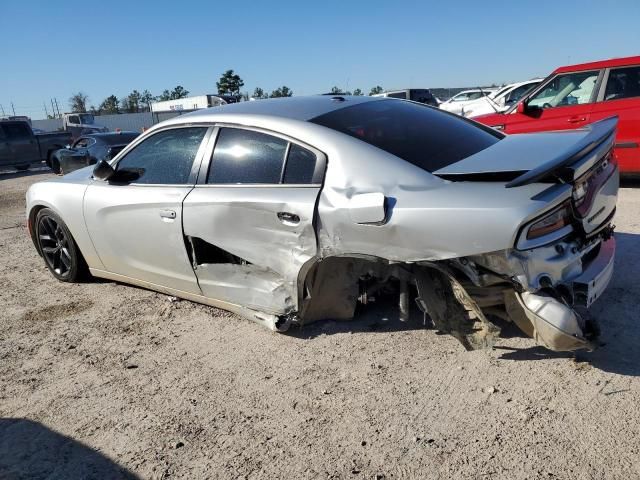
[
  {"x": 623, "y": 83},
  {"x": 517, "y": 93},
  {"x": 166, "y": 157},
  {"x": 245, "y": 156},
  {"x": 398, "y": 95},
  {"x": 82, "y": 143},
  {"x": 74, "y": 120},
  {"x": 426, "y": 137},
  {"x": 566, "y": 89}
]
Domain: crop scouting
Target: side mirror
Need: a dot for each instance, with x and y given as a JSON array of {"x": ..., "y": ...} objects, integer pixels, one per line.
[
  {"x": 103, "y": 171},
  {"x": 368, "y": 208},
  {"x": 522, "y": 108}
]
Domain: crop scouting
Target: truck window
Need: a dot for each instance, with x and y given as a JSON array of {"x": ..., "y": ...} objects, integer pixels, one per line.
[
  {"x": 397, "y": 95},
  {"x": 16, "y": 130},
  {"x": 74, "y": 119}
]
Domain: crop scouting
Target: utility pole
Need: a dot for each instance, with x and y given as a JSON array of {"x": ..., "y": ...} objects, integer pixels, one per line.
[
  {"x": 14, "y": 110},
  {"x": 57, "y": 107},
  {"x": 2, "y": 108},
  {"x": 46, "y": 114}
]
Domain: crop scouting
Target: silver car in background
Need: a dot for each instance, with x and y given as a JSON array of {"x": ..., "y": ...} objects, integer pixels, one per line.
[{"x": 287, "y": 211}]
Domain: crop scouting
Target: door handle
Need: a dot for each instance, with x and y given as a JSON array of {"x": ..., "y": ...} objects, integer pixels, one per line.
[
  {"x": 168, "y": 214},
  {"x": 288, "y": 218},
  {"x": 576, "y": 119}
]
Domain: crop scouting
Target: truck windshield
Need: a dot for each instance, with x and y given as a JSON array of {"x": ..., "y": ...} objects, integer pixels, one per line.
[
  {"x": 86, "y": 119},
  {"x": 426, "y": 137}
]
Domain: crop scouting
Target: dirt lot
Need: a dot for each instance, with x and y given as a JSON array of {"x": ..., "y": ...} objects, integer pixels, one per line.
[{"x": 102, "y": 380}]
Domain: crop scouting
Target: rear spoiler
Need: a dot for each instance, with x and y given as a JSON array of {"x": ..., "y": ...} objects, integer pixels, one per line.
[{"x": 599, "y": 133}]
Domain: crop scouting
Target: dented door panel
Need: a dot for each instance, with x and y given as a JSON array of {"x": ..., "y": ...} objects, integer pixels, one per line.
[{"x": 270, "y": 248}]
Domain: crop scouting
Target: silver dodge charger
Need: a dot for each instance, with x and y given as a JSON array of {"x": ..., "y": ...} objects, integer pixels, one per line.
[{"x": 288, "y": 211}]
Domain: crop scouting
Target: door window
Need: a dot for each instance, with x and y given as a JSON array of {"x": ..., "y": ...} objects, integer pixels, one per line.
[
  {"x": 623, "y": 83},
  {"x": 84, "y": 143},
  {"x": 245, "y": 156},
  {"x": 74, "y": 120},
  {"x": 166, "y": 157},
  {"x": 566, "y": 89}
]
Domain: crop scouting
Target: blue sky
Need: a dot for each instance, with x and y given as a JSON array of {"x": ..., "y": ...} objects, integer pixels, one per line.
[{"x": 54, "y": 49}]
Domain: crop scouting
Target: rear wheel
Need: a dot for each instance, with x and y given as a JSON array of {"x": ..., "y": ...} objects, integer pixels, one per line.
[{"x": 59, "y": 250}]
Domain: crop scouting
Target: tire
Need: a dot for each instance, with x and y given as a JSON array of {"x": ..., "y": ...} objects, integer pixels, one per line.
[
  {"x": 54, "y": 164},
  {"x": 58, "y": 248},
  {"x": 22, "y": 168}
]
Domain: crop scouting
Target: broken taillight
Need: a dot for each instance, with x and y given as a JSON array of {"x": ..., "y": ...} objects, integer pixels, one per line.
[{"x": 557, "y": 219}]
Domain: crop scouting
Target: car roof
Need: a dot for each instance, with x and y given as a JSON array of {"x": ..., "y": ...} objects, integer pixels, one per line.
[
  {"x": 297, "y": 108},
  {"x": 110, "y": 134},
  {"x": 612, "y": 62}
]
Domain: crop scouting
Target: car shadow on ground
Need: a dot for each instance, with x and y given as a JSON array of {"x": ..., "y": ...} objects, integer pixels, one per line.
[
  {"x": 378, "y": 318},
  {"x": 30, "y": 450},
  {"x": 617, "y": 314},
  {"x": 8, "y": 174}
]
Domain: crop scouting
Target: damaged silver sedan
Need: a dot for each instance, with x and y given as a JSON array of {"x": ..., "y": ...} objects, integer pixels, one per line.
[{"x": 288, "y": 211}]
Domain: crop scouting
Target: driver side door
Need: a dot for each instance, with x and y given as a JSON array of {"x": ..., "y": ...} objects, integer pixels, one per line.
[
  {"x": 136, "y": 228},
  {"x": 563, "y": 103}
]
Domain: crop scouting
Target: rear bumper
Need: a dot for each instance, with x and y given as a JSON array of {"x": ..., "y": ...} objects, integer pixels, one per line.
[{"x": 554, "y": 324}]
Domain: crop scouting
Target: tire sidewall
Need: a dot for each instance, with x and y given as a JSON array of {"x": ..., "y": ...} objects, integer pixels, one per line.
[{"x": 74, "y": 272}]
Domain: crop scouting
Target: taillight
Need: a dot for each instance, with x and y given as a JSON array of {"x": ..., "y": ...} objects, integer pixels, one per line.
[
  {"x": 554, "y": 221},
  {"x": 586, "y": 187}
]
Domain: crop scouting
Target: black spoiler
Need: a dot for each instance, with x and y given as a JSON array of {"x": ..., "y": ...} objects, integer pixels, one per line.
[{"x": 599, "y": 133}]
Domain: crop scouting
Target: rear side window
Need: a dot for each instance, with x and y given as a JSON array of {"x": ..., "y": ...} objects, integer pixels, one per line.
[
  {"x": 166, "y": 157},
  {"x": 16, "y": 130},
  {"x": 421, "y": 135},
  {"x": 301, "y": 165},
  {"x": 623, "y": 83}
]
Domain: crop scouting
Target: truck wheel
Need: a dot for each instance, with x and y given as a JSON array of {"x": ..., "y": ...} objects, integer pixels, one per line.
[
  {"x": 22, "y": 168},
  {"x": 59, "y": 250}
]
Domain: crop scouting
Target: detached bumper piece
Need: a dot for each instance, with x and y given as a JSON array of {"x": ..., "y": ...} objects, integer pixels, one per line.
[{"x": 551, "y": 322}]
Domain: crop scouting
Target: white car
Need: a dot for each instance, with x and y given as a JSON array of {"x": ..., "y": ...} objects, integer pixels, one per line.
[
  {"x": 456, "y": 103},
  {"x": 500, "y": 101}
]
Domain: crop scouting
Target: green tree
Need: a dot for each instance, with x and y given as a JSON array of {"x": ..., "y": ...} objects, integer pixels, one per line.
[
  {"x": 229, "y": 84},
  {"x": 78, "y": 102},
  {"x": 131, "y": 103},
  {"x": 166, "y": 95},
  {"x": 336, "y": 90},
  {"x": 179, "y": 92},
  {"x": 259, "y": 93},
  {"x": 283, "y": 91},
  {"x": 357, "y": 92},
  {"x": 376, "y": 90},
  {"x": 145, "y": 100},
  {"x": 109, "y": 105}
]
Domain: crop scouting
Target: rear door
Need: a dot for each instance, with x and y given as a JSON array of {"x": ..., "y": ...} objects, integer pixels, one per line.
[
  {"x": 564, "y": 102},
  {"x": 23, "y": 146},
  {"x": 620, "y": 96},
  {"x": 250, "y": 218}
]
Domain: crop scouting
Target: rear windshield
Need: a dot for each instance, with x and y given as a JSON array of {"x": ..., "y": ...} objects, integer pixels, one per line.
[{"x": 421, "y": 135}]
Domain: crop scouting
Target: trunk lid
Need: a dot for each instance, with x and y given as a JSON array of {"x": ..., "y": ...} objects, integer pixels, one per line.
[{"x": 583, "y": 158}]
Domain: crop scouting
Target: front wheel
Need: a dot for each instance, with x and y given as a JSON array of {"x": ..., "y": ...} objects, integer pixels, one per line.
[{"x": 59, "y": 250}]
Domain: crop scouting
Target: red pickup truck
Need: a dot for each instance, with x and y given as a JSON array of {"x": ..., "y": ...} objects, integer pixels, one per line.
[{"x": 577, "y": 95}]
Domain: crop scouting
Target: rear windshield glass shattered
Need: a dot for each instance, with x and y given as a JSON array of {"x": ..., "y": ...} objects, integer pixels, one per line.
[{"x": 423, "y": 136}]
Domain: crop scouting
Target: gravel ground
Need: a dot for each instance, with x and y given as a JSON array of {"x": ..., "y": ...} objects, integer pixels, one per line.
[{"x": 102, "y": 380}]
